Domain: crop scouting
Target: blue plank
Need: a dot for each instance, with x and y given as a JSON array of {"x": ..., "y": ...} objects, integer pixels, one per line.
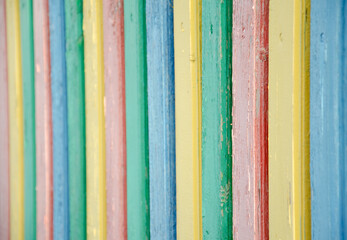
[
  {"x": 328, "y": 106},
  {"x": 59, "y": 118},
  {"x": 161, "y": 118}
]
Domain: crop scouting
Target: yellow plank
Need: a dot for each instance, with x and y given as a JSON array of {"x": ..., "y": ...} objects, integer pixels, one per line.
[
  {"x": 95, "y": 123},
  {"x": 16, "y": 120},
  {"x": 289, "y": 180},
  {"x": 187, "y": 32}
]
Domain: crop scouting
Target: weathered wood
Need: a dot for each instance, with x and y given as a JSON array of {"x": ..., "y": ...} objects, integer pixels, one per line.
[
  {"x": 95, "y": 121},
  {"x": 4, "y": 130},
  {"x": 115, "y": 119},
  {"x": 59, "y": 120},
  {"x": 161, "y": 118},
  {"x": 16, "y": 140},
  {"x": 187, "y": 32},
  {"x": 250, "y": 119},
  {"x": 76, "y": 117},
  {"x": 136, "y": 119},
  {"x": 43, "y": 117},
  {"x": 289, "y": 180},
  {"x": 328, "y": 118},
  {"x": 216, "y": 119}
]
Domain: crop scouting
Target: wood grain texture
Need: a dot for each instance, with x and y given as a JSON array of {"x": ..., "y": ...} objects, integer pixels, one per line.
[
  {"x": 4, "y": 130},
  {"x": 136, "y": 119},
  {"x": 187, "y": 31},
  {"x": 289, "y": 181},
  {"x": 328, "y": 119},
  {"x": 161, "y": 118},
  {"x": 216, "y": 119},
  {"x": 43, "y": 116},
  {"x": 95, "y": 120},
  {"x": 250, "y": 119},
  {"x": 16, "y": 140},
  {"x": 28, "y": 79},
  {"x": 59, "y": 120},
  {"x": 76, "y": 117},
  {"x": 115, "y": 119}
]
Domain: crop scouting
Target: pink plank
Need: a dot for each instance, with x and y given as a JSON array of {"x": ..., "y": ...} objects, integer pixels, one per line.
[
  {"x": 4, "y": 144},
  {"x": 250, "y": 109},
  {"x": 44, "y": 176},
  {"x": 115, "y": 119}
]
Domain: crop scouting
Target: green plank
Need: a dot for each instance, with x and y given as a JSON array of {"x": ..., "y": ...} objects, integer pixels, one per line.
[
  {"x": 216, "y": 119},
  {"x": 136, "y": 119},
  {"x": 28, "y": 78},
  {"x": 76, "y": 117}
]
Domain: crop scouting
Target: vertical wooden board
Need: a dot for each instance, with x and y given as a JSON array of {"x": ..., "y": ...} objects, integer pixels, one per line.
[
  {"x": 95, "y": 121},
  {"x": 289, "y": 187},
  {"x": 328, "y": 120},
  {"x": 216, "y": 119},
  {"x": 136, "y": 119},
  {"x": 161, "y": 118},
  {"x": 59, "y": 120},
  {"x": 28, "y": 78},
  {"x": 115, "y": 119},
  {"x": 4, "y": 126},
  {"x": 43, "y": 124},
  {"x": 250, "y": 119},
  {"x": 74, "y": 54},
  {"x": 16, "y": 141},
  {"x": 187, "y": 33}
]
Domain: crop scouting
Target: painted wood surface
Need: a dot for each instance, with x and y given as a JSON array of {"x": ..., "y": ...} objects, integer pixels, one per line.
[
  {"x": 16, "y": 141},
  {"x": 216, "y": 119},
  {"x": 59, "y": 120},
  {"x": 4, "y": 129},
  {"x": 250, "y": 119},
  {"x": 115, "y": 119},
  {"x": 28, "y": 79},
  {"x": 328, "y": 119},
  {"x": 187, "y": 33},
  {"x": 76, "y": 117},
  {"x": 136, "y": 119},
  {"x": 289, "y": 180},
  {"x": 43, "y": 125},
  {"x": 161, "y": 118},
  {"x": 95, "y": 121}
]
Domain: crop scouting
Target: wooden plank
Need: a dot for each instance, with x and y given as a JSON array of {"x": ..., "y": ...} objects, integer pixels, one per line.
[
  {"x": 95, "y": 122},
  {"x": 216, "y": 119},
  {"x": 328, "y": 119},
  {"x": 16, "y": 140},
  {"x": 59, "y": 120},
  {"x": 4, "y": 130},
  {"x": 161, "y": 118},
  {"x": 28, "y": 79},
  {"x": 136, "y": 119},
  {"x": 115, "y": 119},
  {"x": 289, "y": 181},
  {"x": 76, "y": 117},
  {"x": 250, "y": 119},
  {"x": 187, "y": 32}
]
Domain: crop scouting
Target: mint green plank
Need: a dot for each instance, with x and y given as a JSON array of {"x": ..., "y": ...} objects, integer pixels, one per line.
[
  {"x": 28, "y": 78},
  {"x": 76, "y": 117},
  {"x": 216, "y": 119},
  {"x": 136, "y": 119}
]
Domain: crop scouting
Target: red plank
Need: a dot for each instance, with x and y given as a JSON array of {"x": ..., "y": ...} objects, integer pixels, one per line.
[
  {"x": 250, "y": 121},
  {"x": 44, "y": 175},
  {"x": 4, "y": 137},
  {"x": 115, "y": 119}
]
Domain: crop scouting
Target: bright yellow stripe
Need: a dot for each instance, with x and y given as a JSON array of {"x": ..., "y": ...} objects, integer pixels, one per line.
[
  {"x": 187, "y": 23},
  {"x": 16, "y": 120},
  {"x": 95, "y": 123},
  {"x": 289, "y": 197}
]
